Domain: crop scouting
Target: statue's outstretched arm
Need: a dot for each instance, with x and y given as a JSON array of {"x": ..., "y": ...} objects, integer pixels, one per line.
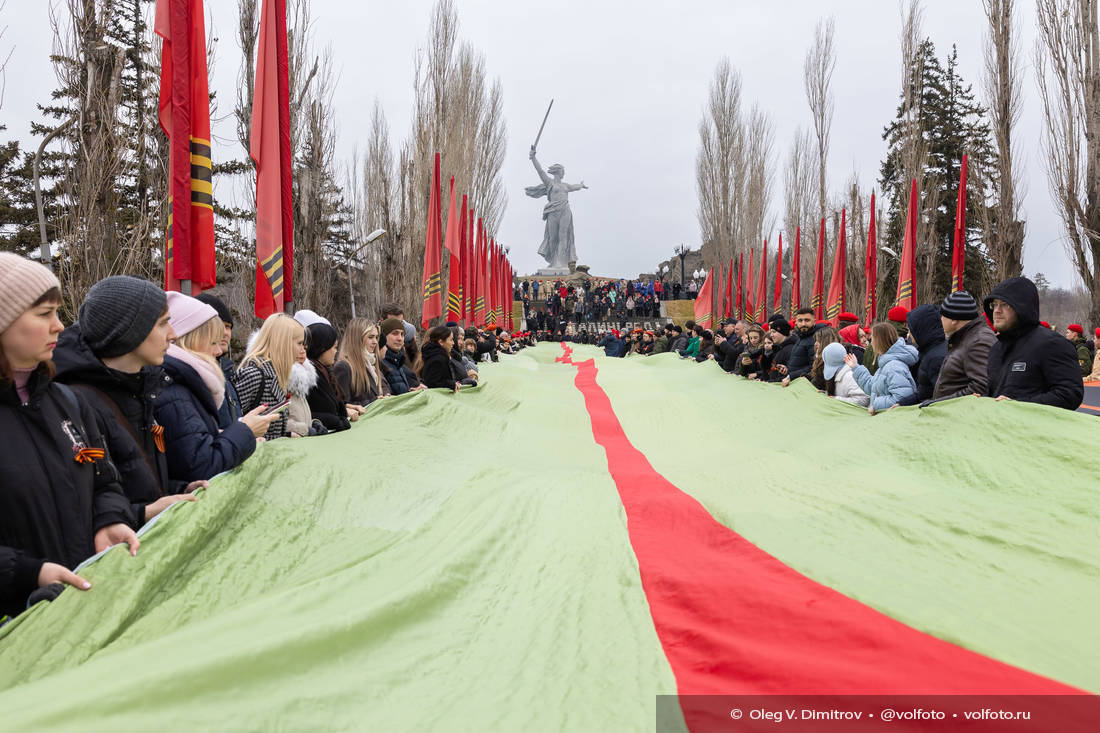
[
  {"x": 575, "y": 186},
  {"x": 538, "y": 168}
]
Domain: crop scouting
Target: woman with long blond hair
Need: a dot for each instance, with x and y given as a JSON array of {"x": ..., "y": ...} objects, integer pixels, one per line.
[
  {"x": 264, "y": 373},
  {"x": 194, "y": 445},
  {"x": 356, "y": 368}
]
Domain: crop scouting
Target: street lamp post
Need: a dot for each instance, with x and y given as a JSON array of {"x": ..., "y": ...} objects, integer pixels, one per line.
[{"x": 370, "y": 238}]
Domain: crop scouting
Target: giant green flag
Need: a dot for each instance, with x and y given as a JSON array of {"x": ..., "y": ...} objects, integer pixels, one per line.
[{"x": 556, "y": 548}]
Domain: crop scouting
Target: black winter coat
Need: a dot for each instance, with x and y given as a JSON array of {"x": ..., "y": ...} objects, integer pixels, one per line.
[
  {"x": 801, "y": 359},
  {"x": 115, "y": 396},
  {"x": 926, "y": 331},
  {"x": 342, "y": 372},
  {"x": 196, "y": 448},
  {"x": 50, "y": 505},
  {"x": 1030, "y": 363},
  {"x": 325, "y": 403},
  {"x": 780, "y": 355},
  {"x": 436, "y": 371},
  {"x": 729, "y": 353},
  {"x": 399, "y": 377}
]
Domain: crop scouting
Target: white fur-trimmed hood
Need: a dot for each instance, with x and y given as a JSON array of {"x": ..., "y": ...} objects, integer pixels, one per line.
[{"x": 303, "y": 378}]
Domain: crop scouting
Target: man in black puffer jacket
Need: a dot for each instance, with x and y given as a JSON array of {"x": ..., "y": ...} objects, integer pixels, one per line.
[
  {"x": 801, "y": 357},
  {"x": 926, "y": 332},
  {"x": 1029, "y": 363}
]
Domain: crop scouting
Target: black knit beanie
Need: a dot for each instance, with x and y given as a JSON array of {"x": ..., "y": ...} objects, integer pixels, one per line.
[
  {"x": 320, "y": 337},
  {"x": 959, "y": 306},
  {"x": 217, "y": 304},
  {"x": 118, "y": 313}
]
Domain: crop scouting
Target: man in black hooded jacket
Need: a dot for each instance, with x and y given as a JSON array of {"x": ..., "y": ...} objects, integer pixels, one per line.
[
  {"x": 1029, "y": 363},
  {"x": 801, "y": 358}
]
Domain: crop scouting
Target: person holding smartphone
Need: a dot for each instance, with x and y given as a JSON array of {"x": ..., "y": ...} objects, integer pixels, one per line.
[{"x": 188, "y": 408}]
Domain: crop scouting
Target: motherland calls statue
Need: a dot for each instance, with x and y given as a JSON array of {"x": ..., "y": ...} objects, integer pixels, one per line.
[{"x": 558, "y": 246}]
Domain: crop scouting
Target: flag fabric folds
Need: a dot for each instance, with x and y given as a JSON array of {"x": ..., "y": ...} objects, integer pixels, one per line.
[
  {"x": 727, "y": 310},
  {"x": 870, "y": 268},
  {"x": 819, "y": 275},
  {"x": 750, "y": 287},
  {"x": 453, "y": 242},
  {"x": 907, "y": 285},
  {"x": 704, "y": 303},
  {"x": 958, "y": 251},
  {"x": 740, "y": 301},
  {"x": 184, "y": 116},
  {"x": 469, "y": 267},
  {"x": 778, "y": 294},
  {"x": 836, "y": 282},
  {"x": 796, "y": 273},
  {"x": 269, "y": 146},
  {"x": 762, "y": 287},
  {"x": 433, "y": 254}
]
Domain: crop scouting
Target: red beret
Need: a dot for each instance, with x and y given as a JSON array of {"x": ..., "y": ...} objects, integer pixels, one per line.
[
  {"x": 765, "y": 326},
  {"x": 1076, "y": 328},
  {"x": 897, "y": 314},
  {"x": 847, "y": 317},
  {"x": 821, "y": 322},
  {"x": 1044, "y": 324},
  {"x": 1098, "y": 332}
]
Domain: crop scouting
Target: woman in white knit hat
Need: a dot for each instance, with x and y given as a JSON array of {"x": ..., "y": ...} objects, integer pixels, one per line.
[
  {"x": 60, "y": 501},
  {"x": 188, "y": 408}
]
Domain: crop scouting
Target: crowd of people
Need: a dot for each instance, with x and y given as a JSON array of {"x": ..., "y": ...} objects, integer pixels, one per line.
[
  {"x": 999, "y": 349},
  {"x": 138, "y": 404},
  {"x": 549, "y": 306}
]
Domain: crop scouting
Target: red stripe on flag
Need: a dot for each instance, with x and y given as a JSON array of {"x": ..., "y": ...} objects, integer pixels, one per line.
[{"x": 734, "y": 620}]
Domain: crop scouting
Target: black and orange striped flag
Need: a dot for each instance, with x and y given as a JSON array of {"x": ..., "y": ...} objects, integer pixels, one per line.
[{"x": 184, "y": 115}]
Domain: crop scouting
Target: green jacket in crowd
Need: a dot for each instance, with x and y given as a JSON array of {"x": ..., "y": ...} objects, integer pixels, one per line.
[
  {"x": 660, "y": 345},
  {"x": 1084, "y": 358}
]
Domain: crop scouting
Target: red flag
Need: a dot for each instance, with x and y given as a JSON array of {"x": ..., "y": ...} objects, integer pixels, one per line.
[
  {"x": 750, "y": 289},
  {"x": 819, "y": 275},
  {"x": 463, "y": 257},
  {"x": 836, "y": 283},
  {"x": 269, "y": 146},
  {"x": 958, "y": 253},
  {"x": 762, "y": 288},
  {"x": 494, "y": 285},
  {"x": 907, "y": 285},
  {"x": 433, "y": 254},
  {"x": 453, "y": 242},
  {"x": 704, "y": 303},
  {"x": 481, "y": 276},
  {"x": 870, "y": 304},
  {"x": 740, "y": 267},
  {"x": 727, "y": 310},
  {"x": 778, "y": 294},
  {"x": 469, "y": 268},
  {"x": 796, "y": 273},
  {"x": 184, "y": 113}
]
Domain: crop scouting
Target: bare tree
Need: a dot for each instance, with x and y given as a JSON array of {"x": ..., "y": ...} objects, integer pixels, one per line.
[
  {"x": 1067, "y": 64},
  {"x": 720, "y": 165},
  {"x": 914, "y": 149},
  {"x": 799, "y": 186},
  {"x": 817, "y": 78},
  {"x": 1001, "y": 83},
  {"x": 4, "y": 58},
  {"x": 756, "y": 219},
  {"x": 102, "y": 152}
]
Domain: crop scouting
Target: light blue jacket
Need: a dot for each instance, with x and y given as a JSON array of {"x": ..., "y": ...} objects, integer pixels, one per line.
[{"x": 893, "y": 381}]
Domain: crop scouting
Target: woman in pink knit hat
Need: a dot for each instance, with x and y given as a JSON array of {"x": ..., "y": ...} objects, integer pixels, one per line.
[
  {"x": 188, "y": 408},
  {"x": 60, "y": 501}
]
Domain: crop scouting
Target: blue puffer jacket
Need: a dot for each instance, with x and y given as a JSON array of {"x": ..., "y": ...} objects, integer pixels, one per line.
[
  {"x": 892, "y": 381},
  {"x": 193, "y": 444}
]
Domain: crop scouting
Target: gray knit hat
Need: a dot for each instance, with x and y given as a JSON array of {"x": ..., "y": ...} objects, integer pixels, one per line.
[
  {"x": 959, "y": 306},
  {"x": 118, "y": 313},
  {"x": 22, "y": 282}
]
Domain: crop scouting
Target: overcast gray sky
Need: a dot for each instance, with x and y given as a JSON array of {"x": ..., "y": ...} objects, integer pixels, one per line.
[{"x": 630, "y": 80}]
